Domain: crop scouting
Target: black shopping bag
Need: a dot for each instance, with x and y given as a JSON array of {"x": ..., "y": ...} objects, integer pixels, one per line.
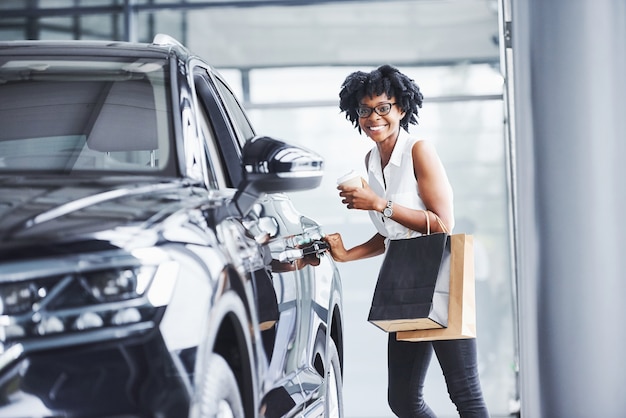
[
  {"x": 412, "y": 291},
  {"x": 462, "y": 311}
]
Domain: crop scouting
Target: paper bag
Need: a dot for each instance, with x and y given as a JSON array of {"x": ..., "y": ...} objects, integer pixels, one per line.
[{"x": 462, "y": 310}]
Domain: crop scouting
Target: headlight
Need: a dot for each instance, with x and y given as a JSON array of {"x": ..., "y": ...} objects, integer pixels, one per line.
[
  {"x": 50, "y": 325},
  {"x": 97, "y": 297},
  {"x": 111, "y": 285},
  {"x": 16, "y": 298},
  {"x": 88, "y": 320}
]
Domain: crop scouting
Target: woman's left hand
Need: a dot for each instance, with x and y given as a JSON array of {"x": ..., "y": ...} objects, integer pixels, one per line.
[{"x": 336, "y": 247}]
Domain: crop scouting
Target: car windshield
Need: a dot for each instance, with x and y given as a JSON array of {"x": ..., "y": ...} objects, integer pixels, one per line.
[{"x": 74, "y": 115}]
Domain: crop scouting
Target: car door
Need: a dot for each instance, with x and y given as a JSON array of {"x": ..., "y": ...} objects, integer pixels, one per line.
[{"x": 289, "y": 339}]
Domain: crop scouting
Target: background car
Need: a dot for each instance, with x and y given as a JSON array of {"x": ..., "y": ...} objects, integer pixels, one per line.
[{"x": 151, "y": 262}]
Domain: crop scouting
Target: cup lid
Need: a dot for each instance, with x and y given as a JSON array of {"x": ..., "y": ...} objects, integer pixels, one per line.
[{"x": 350, "y": 175}]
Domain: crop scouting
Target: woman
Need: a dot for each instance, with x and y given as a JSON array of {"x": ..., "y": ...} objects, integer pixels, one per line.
[{"x": 407, "y": 182}]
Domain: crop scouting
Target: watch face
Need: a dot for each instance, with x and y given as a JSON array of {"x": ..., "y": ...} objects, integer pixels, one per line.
[{"x": 387, "y": 212}]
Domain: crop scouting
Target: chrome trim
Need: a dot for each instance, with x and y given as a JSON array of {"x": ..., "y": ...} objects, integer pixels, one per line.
[
  {"x": 18, "y": 350},
  {"x": 11, "y": 355}
]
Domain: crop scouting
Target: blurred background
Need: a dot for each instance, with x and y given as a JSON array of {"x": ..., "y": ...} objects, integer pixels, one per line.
[{"x": 286, "y": 60}]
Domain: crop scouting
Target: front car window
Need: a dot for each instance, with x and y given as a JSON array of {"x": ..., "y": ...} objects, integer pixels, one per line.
[
  {"x": 240, "y": 122},
  {"x": 73, "y": 114}
]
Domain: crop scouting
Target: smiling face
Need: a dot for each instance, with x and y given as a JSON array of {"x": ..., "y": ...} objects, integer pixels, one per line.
[{"x": 380, "y": 128}]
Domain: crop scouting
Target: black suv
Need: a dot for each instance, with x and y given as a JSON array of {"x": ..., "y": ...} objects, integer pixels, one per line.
[{"x": 151, "y": 264}]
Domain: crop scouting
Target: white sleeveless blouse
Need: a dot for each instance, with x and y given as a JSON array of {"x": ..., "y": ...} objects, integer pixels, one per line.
[{"x": 396, "y": 183}]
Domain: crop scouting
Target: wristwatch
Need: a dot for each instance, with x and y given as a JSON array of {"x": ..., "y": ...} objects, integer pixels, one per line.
[{"x": 388, "y": 211}]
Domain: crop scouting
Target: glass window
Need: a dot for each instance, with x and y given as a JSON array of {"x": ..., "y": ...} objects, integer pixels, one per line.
[
  {"x": 240, "y": 120},
  {"x": 215, "y": 169},
  {"x": 296, "y": 84},
  {"x": 72, "y": 114}
]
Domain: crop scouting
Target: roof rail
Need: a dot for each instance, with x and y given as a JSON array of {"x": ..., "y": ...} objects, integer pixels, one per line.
[{"x": 164, "y": 40}]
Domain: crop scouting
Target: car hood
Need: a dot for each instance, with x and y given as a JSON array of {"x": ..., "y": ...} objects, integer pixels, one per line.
[{"x": 51, "y": 210}]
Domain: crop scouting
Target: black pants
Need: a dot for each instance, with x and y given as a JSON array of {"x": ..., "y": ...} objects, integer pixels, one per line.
[{"x": 408, "y": 363}]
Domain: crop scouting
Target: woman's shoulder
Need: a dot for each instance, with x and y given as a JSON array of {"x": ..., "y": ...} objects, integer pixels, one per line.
[
  {"x": 422, "y": 145},
  {"x": 424, "y": 153},
  {"x": 411, "y": 140}
]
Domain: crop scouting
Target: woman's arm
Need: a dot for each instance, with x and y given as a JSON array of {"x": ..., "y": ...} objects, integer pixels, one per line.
[
  {"x": 433, "y": 184},
  {"x": 433, "y": 188},
  {"x": 373, "y": 247}
]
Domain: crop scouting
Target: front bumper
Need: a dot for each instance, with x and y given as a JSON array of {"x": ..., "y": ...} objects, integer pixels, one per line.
[{"x": 125, "y": 372}]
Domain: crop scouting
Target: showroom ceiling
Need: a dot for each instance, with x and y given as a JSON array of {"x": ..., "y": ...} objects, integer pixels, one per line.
[
  {"x": 278, "y": 33},
  {"x": 401, "y": 32}
]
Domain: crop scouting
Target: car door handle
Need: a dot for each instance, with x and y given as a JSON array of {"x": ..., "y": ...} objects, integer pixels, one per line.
[
  {"x": 262, "y": 229},
  {"x": 316, "y": 247}
]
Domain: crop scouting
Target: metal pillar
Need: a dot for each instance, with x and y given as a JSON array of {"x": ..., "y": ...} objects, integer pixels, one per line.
[{"x": 569, "y": 60}]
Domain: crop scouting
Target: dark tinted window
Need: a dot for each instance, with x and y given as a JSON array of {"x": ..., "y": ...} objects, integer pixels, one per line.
[{"x": 240, "y": 121}]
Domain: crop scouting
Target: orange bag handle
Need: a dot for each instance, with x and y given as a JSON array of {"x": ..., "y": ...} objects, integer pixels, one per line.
[{"x": 438, "y": 220}]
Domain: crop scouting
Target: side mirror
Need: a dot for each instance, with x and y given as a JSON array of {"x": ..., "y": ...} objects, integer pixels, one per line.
[{"x": 273, "y": 166}]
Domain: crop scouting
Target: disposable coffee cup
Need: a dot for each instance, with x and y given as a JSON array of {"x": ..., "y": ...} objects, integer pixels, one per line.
[{"x": 351, "y": 179}]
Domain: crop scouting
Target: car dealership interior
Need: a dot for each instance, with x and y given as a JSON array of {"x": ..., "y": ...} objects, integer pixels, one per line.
[{"x": 286, "y": 61}]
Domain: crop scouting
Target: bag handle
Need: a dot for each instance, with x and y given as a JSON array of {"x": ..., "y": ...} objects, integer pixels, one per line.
[{"x": 438, "y": 221}]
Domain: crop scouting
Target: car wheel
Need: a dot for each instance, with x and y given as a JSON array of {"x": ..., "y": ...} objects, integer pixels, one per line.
[
  {"x": 334, "y": 385},
  {"x": 220, "y": 393}
]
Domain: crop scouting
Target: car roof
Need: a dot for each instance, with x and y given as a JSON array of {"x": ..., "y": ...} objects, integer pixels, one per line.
[{"x": 161, "y": 47}]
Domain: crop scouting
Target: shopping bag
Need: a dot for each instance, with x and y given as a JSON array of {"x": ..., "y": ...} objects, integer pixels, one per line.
[
  {"x": 462, "y": 311},
  {"x": 413, "y": 284}
]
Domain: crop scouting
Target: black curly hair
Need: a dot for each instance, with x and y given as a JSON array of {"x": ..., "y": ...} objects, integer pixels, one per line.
[{"x": 385, "y": 79}]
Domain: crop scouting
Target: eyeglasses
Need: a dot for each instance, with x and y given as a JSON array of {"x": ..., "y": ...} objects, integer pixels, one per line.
[{"x": 381, "y": 110}]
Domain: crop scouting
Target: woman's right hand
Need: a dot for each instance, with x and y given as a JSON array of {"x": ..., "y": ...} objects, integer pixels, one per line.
[{"x": 363, "y": 198}]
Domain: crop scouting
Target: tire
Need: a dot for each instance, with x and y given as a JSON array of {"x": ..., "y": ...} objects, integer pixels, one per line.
[
  {"x": 220, "y": 392},
  {"x": 333, "y": 404}
]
